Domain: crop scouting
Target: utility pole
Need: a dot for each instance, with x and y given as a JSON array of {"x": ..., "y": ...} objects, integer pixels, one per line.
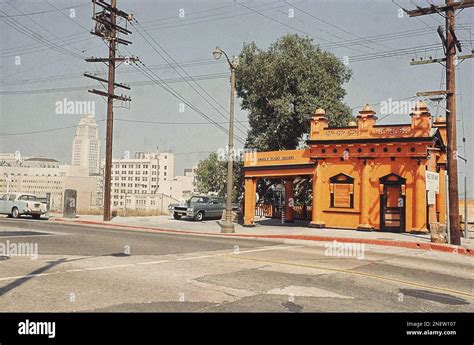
[
  {"x": 450, "y": 44},
  {"x": 106, "y": 27},
  {"x": 227, "y": 226}
]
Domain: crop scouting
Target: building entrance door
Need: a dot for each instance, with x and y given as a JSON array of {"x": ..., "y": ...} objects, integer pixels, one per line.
[{"x": 392, "y": 205}]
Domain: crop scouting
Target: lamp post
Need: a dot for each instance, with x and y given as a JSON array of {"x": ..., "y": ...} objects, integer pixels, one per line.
[{"x": 227, "y": 226}]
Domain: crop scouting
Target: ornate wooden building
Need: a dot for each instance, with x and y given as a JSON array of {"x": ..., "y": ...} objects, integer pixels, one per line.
[{"x": 364, "y": 176}]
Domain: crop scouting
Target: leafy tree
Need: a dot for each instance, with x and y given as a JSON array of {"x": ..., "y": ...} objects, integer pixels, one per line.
[
  {"x": 280, "y": 87},
  {"x": 211, "y": 176}
]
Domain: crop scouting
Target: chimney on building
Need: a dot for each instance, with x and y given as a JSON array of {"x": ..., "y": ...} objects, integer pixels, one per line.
[
  {"x": 319, "y": 122},
  {"x": 421, "y": 119},
  {"x": 366, "y": 119}
]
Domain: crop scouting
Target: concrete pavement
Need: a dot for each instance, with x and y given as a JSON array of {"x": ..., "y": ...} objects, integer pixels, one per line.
[
  {"x": 272, "y": 228},
  {"x": 93, "y": 268}
]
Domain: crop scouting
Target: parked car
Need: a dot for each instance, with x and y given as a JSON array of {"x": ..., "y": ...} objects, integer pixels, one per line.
[
  {"x": 18, "y": 204},
  {"x": 198, "y": 207}
]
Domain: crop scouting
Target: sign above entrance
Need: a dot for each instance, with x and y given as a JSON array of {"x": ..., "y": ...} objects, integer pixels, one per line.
[{"x": 279, "y": 158}]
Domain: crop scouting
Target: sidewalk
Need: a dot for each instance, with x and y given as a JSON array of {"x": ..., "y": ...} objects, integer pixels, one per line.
[{"x": 272, "y": 228}]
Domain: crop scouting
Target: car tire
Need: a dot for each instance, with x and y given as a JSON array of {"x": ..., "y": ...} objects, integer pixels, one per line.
[
  {"x": 15, "y": 212},
  {"x": 199, "y": 216},
  {"x": 176, "y": 216}
]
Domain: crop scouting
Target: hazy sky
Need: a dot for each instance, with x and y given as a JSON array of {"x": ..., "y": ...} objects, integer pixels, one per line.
[{"x": 34, "y": 63}]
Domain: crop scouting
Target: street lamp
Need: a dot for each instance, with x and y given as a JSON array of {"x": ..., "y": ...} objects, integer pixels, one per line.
[{"x": 227, "y": 226}]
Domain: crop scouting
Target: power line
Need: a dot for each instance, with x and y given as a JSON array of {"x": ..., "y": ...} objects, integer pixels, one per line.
[
  {"x": 187, "y": 74},
  {"x": 168, "y": 123},
  {"x": 32, "y": 51},
  {"x": 68, "y": 17},
  {"x": 279, "y": 22},
  {"x": 396, "y": 52},
  {"x": 198, "y": 85},
  {"x": 356, "y": 58},
  {"x": 184, "y": 22},
  {"x": 43, "y": 130},
  {"x": 68, "y": 76},
  {"x": 41, "y": 12},
  {"x": 197, "y": 12},
  {"x": 33, "y": 35},
  {"x": 336, "y": 27},
  {"x": 171, "y": 123},
  {"x": 41, "y": 26},
  {"x": 37, "y": 45},
  {"x": 156, "y": 79},
  {"x": 48, "y": 130},
  {"x": 134, "y": 83}
]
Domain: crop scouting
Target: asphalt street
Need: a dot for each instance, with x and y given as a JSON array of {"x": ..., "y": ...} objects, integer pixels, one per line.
[{"x": 91, "y": 269}]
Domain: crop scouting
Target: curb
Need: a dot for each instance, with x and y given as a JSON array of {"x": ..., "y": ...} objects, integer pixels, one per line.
[{"x": 446, "y": 248}]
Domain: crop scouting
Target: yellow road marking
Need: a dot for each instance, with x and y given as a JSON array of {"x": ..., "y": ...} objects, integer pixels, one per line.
[{"x": 376, "y": 276}]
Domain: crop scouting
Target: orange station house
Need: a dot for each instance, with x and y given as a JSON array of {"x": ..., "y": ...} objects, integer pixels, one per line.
[{"x": 364, "y": 176}]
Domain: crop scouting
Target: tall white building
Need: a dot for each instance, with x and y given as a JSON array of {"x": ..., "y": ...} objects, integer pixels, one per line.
[
  {"x": 140, "y": 175},
  {"x": 86, "y": 145}
]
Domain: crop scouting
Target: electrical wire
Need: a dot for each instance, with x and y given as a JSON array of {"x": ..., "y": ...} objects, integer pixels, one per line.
[
  {"x": 187, "y": 74},
  {"x": 41, "y": 12},
  {"x": 157, "y": 80}
]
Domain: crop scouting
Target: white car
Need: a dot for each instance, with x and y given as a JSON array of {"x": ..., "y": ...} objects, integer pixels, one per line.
[{"x": 17, "y": 204}]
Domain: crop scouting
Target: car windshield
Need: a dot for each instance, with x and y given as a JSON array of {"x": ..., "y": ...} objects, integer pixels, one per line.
[
  {"x": 197, "y": 199},
  {"x": 27, "y": 197}
]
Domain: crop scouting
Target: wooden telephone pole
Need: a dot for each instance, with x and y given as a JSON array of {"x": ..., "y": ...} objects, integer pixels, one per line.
[
  {"x": 106, "y": 27},
  {"x": 450, "y": 44}
]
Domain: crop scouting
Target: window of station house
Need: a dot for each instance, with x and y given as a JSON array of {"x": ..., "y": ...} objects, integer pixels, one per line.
[{"x": 342, "y": 191}]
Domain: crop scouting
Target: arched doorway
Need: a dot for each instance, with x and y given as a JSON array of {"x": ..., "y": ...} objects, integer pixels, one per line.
[{"x": 392, "y": 203}]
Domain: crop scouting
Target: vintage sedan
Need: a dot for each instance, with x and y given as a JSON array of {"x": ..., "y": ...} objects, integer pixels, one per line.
[
  {"x": 17, "y": 204},
  {"x": 198, "y": 207}
]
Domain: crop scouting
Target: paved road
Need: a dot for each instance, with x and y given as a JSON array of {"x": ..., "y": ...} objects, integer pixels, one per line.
[{"x": 81, "y": 268}]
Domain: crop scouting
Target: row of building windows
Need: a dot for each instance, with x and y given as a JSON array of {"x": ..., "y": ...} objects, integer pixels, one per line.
[
  {"x": 137, "y": 202},
  {"x": 136, "y": 185},
  {"x": 34, "y": 182},
  {"x": 136, "y": 173},
  {"x": 124, "y": 178},
  {"x": 118, "y": 193},
  {"x": 18, "y": 174},
  {"x": 131, "y": 172},
  {"x": 136, "y": 166}
]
